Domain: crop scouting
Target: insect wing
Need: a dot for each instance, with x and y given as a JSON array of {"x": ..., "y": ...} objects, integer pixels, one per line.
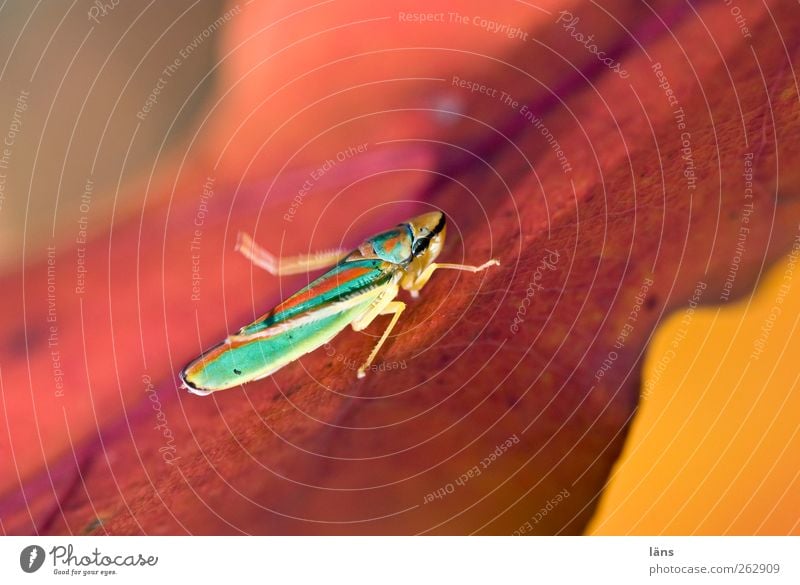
[
  {"x": 345, "y": 280},
  {"x": 244, "y": 359},
  {"x": 305, "y": 321}
]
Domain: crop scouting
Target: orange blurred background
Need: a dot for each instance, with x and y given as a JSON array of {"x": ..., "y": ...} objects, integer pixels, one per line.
[{"x": 714, "y": 448}]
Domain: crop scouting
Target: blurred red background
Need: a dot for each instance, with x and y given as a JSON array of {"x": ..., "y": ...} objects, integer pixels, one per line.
[{"x": 234, "y": 135}]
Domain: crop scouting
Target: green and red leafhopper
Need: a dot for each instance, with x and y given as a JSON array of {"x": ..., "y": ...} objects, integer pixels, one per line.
[{"x": 361, "y": 285}]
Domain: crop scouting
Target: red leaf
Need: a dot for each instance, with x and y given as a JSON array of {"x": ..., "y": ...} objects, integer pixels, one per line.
[{"x": 602, "y": 248}]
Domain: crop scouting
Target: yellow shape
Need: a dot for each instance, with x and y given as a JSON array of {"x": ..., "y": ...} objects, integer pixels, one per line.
[{"x": 715, "y": 446}]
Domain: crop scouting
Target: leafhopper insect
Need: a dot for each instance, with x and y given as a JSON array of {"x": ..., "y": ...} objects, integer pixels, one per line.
[{"x": 362, "y": 285}]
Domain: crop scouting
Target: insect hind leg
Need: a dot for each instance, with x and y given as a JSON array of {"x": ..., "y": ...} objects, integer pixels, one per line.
[
  {"x": 289, "y": 264},
  {"x": 394, "y": 308}
]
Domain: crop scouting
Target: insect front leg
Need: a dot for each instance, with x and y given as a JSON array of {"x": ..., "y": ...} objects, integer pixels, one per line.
[
  {"x": 394, "y": 308},
  {"x": 384, "y": 304},
  {"x": 289, "y": 264},
  {"x": 423, "y": 278}
]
